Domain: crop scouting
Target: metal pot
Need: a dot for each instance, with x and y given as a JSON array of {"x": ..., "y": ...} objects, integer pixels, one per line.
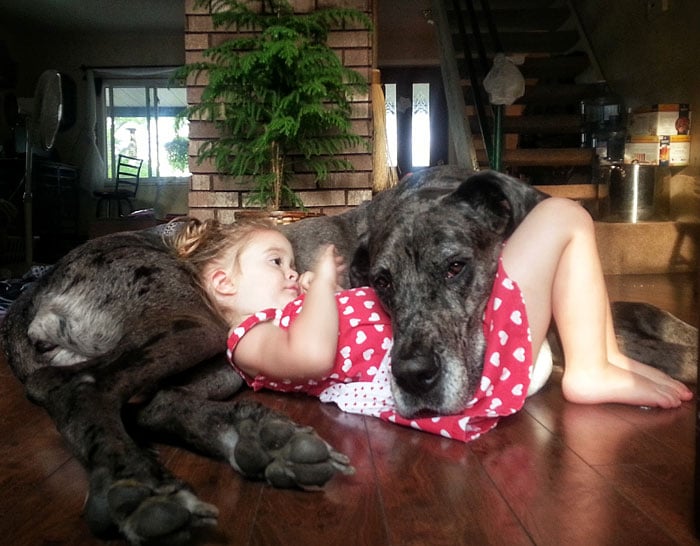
[{"x": 631, "y": 191}]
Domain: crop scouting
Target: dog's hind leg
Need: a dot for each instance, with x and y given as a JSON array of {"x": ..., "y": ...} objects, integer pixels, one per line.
[{"x": 131, "y": 493}]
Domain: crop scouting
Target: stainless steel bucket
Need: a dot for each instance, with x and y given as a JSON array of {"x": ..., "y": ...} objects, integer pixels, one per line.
[{"x": 631, "y": 191}]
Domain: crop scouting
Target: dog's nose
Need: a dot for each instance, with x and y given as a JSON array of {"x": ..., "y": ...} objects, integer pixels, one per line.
[{"x": 416, "y": 375}]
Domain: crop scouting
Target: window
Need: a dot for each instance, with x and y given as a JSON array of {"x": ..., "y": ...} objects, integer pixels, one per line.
[
  {"x": 420, "y": 125},
  {"x": 416, "y": 117},
  {"x": 140, "y": 120}
]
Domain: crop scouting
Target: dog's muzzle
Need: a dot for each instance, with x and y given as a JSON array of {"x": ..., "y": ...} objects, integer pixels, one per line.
[{"x": 417, "y": 375}]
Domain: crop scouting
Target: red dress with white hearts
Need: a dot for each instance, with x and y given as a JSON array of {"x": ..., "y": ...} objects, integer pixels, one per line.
[{"x": 359, "y": 381}]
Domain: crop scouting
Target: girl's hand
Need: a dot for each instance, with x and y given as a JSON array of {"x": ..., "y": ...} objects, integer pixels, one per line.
[
  {"x": 305, "y": 280},
  {"x": 328, "y": 267}
]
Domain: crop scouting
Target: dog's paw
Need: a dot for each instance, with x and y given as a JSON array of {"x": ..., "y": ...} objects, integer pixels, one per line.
[
  {"x": 286, "y": 454},
  {"x": 146, "y": 515}
]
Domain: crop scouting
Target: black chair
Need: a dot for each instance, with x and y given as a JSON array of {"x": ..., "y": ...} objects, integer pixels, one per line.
[{"x": 125, "y": 187}]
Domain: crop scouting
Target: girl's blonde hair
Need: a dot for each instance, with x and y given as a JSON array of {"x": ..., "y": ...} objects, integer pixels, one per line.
[{"x": 200, "y": 242}]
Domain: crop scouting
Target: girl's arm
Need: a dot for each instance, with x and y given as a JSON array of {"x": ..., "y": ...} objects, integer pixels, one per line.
[{"x": 307, "y": 349}]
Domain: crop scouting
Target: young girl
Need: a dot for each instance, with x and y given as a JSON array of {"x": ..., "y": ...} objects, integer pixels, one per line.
[{"x": 336, "y": 345}]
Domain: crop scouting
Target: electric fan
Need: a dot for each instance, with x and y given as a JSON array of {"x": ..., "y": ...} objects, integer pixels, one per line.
[{"x": 42, "y": 115}]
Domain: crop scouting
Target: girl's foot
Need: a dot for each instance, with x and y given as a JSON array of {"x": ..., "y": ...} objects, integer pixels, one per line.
[
  {"x": 657, "y": 376},
  {"x": 611, "y": 383}
]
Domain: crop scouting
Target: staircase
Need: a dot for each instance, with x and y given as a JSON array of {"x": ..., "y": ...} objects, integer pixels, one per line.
[
  {"x": 542, "y": 131},
  {"x": 544, "y": 140}
]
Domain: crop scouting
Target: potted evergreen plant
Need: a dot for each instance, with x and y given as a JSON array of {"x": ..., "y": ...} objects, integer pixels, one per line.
[{"x": 278, "y": 94}]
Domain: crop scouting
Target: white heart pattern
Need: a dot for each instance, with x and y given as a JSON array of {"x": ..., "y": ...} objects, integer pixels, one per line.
[
  {"x": 345, "y": 352},
  {"x": 374, "y": 317},
  {"x": 505, "y": 374},
  {"x": 519, "y": 354},
  {"x": 238, "y": 332},
  {"x": 503, "y": 337},
  {"x": 495, "y": 403},
  {"x": 367, "y": 355},
  {"x": 496, "y": 303},
  {"x": 347, "y": 364},
  {"x": 360, "y": 338},
  {"x": 343, "y": 299},
  {"x": 464, "y": 424},
  {"x": 508, "y": 283},
  {"x": 285, "y": 321},
  {"x": 518, "y": 390},
  {"x": 369, "y": 304},
  {"x": 372, "y": 370},
  {"x": 495, "y": 359},
  {"x": 354, "y": 322},
  {"x": 348, "y": 310},
  {"x": 516, "y": 317}
]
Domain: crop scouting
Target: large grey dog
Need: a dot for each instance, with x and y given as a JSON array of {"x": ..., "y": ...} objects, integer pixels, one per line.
[{"x": 120, "y": 323}]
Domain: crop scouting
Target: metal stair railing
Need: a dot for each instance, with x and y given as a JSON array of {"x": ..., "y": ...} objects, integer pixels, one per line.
[
  {"x": 466, "y": 26},
  {"x": 465, "y": 153}
]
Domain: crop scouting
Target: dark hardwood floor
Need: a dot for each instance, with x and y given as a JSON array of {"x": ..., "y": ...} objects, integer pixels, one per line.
[{"x": 554, "y": 474}]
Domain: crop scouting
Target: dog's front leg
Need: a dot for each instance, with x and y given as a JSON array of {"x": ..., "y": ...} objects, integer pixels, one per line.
[
  {"x": 256, "y": 441},
  {"x": 130, "y": 492}
]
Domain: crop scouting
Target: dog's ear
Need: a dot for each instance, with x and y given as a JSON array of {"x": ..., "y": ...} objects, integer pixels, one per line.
[
  {"x": 500, "y": 200},
  {"x": 359, "y": 267}
]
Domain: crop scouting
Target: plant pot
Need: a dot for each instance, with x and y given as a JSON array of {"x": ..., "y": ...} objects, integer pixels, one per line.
[{"x": 280, "y": 217}]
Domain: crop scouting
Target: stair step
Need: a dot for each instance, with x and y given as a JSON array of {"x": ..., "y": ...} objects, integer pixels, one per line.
[
  {"x": 533, "y": 19},
  {"x": 548, "y": 94},
  {"x": 577, "y": 192},
  {"x": 537, "y": 124},
  {"x": 544, "y": 157},
  {"x": 530, "y": 19},
  {"x": 524, "y": 4},
  {"x": 527, "y": 42},
  {"x": 559, "y": 67},
  {"x": 559, "y": 93},
  {"x": 647, "y": 247}
]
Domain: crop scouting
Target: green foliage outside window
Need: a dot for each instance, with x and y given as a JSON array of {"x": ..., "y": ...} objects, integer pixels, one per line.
[{"x": 177, "y": 153}]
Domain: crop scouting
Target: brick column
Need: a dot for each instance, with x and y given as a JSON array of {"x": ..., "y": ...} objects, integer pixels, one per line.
[{"x": 213, "y": 195}]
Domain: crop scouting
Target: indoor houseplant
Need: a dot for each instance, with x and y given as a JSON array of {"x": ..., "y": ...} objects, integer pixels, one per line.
[{"x": 278, "y": 94}]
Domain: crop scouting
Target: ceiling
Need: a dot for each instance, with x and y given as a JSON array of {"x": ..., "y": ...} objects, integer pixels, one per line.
[{"x": 95, "y": 15}]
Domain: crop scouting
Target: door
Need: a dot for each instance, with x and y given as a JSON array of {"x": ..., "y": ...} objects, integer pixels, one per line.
[{"x": 416, "y": 117}]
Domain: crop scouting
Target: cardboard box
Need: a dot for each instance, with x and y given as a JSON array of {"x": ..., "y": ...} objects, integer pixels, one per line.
[
  {"x": 660, "y": 119},
  {"x": 668, "y": 150}
]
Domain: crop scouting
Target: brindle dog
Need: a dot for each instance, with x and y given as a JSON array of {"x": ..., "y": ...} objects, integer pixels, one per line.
[{"x": 120, "y": 324}]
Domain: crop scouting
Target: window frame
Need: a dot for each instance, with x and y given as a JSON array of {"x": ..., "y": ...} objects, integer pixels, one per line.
[{"x": 149, "y": 86}]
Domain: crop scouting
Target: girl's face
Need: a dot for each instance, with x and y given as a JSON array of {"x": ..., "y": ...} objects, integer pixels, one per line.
[{"x": 264, "y": 276}]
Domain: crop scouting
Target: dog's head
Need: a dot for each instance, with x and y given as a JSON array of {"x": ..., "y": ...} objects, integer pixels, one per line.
[{"x": 432, "y": 262}]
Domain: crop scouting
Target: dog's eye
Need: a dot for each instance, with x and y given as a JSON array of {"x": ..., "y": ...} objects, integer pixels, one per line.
[
  {"x": 381, "y": 282},
  {"x": 454, "y": 269}
]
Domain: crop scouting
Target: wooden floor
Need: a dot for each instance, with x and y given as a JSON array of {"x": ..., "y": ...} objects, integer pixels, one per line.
[{"x": 554, "y": 474}]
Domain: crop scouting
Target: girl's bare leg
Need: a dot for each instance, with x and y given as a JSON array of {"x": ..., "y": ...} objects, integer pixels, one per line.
[{"x": 554, "y": 259}]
